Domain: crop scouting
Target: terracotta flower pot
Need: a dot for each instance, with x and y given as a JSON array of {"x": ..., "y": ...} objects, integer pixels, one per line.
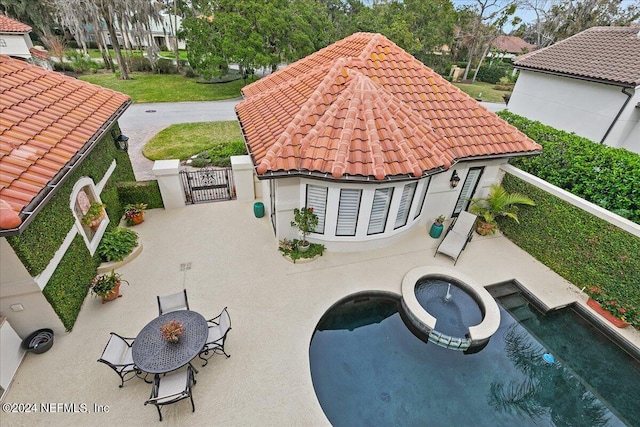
[
  {"x": 618, "y": 323},
  {"x": 96, "y": 222},
  {"x": 484, "y": 228},
  {"x": 115, "y": 293},
  {"x": 137, "y": 219}
]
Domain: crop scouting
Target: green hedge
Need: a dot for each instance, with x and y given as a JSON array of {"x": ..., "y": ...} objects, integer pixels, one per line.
[
  {"x": 69, "y": 284},
  {"x": 140, "y": 192},
  {"x": 582, "y": 248},
  {"x": 606, "y": 176},
  {"x": 493, "y": 73}
]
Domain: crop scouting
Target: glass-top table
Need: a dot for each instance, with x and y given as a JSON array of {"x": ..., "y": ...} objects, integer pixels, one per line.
[{"x": 154, "y": 355}]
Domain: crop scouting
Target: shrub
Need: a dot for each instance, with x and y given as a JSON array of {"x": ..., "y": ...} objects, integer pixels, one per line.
[
  {"x": 137, "y": 63},
  {"x": 290, "y": 248},
  {"x": 165, "y": 66},
  {"x": 221, "y": 153},
  {"x": 606, "y": 176},
  {"x": 117, "y": 244},
  {"x": 147, "y": 192},
  {"x": 493, "y": 73},
  {"x": 584, "y": 249},
  {"x": 200, "y": 163}
]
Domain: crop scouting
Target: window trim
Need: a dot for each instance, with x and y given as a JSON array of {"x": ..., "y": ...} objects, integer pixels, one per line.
[{"x": 91, "y": 241}]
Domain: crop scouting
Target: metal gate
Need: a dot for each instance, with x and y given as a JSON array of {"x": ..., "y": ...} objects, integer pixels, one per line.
[{"x": 208, "y": 185}]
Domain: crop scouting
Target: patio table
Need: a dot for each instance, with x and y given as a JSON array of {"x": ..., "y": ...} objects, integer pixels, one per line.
[{"x": 154, "y": 355}]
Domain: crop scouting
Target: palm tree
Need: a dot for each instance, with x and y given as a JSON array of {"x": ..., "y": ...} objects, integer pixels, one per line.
[{"x": 497, "y": 203}]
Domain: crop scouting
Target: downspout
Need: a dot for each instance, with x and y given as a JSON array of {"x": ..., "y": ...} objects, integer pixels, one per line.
[{"x": 615, "y": 120}]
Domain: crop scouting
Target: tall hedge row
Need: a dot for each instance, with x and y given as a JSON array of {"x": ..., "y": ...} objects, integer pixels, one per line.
[
  {"x": 606, "y": 176},
  {"x": 582, "y": 248}
]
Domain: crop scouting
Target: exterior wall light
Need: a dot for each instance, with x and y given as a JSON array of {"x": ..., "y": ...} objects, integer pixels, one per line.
[
  {"x": 455, "y": 179},
  {"x": 122, "y": 143}
]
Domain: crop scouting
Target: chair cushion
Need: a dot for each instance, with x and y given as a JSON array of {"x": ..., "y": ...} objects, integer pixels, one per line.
[{"x": 172, "y": 384}]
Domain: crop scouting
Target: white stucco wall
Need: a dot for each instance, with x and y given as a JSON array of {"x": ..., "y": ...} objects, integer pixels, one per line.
[
  {"x": 440, "y": 200},
  {"x": 573, "y": 105},
  {"x": 16, "y": 45}
]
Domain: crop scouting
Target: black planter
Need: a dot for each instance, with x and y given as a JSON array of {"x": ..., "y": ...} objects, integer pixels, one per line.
[{"x": 38, "y": 341}]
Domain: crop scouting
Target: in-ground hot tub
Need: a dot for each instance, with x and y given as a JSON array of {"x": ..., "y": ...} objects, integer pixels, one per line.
[{"x": 447, "y": 308}]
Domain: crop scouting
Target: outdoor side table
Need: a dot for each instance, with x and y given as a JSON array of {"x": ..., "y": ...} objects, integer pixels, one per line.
[{"x": 154, "y": 355}]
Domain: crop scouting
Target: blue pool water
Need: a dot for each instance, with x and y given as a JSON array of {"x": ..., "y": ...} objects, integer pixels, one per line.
[{"x": 368, "y": 369}]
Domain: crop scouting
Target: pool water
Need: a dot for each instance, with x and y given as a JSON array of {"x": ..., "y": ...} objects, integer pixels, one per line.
[{"x": 368, "y": 369}]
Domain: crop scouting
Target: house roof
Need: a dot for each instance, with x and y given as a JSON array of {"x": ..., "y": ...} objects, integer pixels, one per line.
[
  {"x": 48, "y": 121},
  {"x": 512, "y": 44},
  {"x": 607, "y": 54},
  {"x": 362, "y": 108},
  {"x": 8, "y": 25}
]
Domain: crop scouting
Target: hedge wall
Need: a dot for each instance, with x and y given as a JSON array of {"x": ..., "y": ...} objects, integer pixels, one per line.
[
  {"x": 140, "y": 192},
  {"x": 606, "y": 176},
  {"x": 582, "y": 248},
  {"x": 37, "y": 245}
]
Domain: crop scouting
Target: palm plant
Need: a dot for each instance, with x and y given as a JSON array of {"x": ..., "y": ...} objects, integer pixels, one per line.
[{"x": 498, "y": 203}]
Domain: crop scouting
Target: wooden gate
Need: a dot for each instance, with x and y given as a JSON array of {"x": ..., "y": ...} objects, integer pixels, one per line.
[{"x": 208, "y": 185}]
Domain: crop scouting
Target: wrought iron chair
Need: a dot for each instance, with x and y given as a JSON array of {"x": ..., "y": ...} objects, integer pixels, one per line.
[
  {"x": 220, "y": 326},
  {"x": 117, "y": 355},
  {"x": 173, "y": 302},
  {"x": 172, "y": 388}
]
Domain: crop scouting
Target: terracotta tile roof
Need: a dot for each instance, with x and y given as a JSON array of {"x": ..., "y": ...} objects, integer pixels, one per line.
[
  {"x": 364, "y": 107},
  {"x": 609, "y": 54},
  {"x": 512, "y": 44},
  {"x": 8, "y": 25},
  {"x": 43, "y": 54},
  {"x": 46, "y": 118}
]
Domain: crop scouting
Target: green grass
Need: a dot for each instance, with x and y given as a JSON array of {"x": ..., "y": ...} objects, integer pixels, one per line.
[
  {"x": 184, "y": 140},
  {"x": 484, "y": 91},
  {"x": 146, "y": 87}
]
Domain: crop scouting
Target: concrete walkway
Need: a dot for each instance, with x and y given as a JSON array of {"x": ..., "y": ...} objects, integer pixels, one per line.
[{"x": 274, "y": 307}]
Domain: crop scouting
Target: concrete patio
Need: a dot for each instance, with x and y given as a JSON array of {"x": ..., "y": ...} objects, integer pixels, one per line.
[{"x": 274, "y": 307}]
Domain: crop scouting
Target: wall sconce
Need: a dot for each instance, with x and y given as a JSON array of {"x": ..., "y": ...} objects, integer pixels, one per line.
[
  {"x": 455, "y": 179},
  {"x": 122, "y": 143}
]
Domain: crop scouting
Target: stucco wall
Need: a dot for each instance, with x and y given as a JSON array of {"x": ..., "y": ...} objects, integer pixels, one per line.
[
  {"x": 17, "y": 45},
  {"x": 440, "y": 200},
  {"x": 585, "y": 108}
]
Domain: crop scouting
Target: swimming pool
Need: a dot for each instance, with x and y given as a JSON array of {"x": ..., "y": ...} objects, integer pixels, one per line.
[{"x": 368, "y": 369}]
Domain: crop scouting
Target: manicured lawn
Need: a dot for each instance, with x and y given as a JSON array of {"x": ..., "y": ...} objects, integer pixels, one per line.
[
  {"x": 484, "y": 91},
  {"x": 146, "y": 87},
  {"x": 184, "y": 140}
]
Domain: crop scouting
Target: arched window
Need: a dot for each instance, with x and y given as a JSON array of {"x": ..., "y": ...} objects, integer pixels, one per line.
[{"x": 91, "y": 218}]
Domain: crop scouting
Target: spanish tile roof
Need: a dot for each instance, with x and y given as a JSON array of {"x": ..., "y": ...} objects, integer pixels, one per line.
[
  {"x": 46, "y": 118},
  {"x": 8, "y": 25},
  {"x": 363, "y": 107},
  {"x": 512, "y": 44},
  {"x": 42, "y": 54},
  {"x": 609, "y": 54}
]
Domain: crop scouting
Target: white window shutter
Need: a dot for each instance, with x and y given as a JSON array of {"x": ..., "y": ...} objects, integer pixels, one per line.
[
  {"x": 348, "y": 212},
  {"x": 317, "y": 199},
  {"x": 405, "y": 204},
  {"x": 379, "y": 210}
]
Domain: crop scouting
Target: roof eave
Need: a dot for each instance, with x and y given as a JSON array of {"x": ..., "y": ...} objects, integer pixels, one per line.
[
  {"x": 348, "y": 178},
  {"x": 29, "y": 212},
  {"x": 578, "y": 77}
]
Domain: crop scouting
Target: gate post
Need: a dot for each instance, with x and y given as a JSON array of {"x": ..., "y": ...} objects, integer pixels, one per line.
[
  {"x": 167, "y": 173},
  {"x": 243, "y": 177}
]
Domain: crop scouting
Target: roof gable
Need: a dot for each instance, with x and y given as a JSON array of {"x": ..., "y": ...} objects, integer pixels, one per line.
[
  {"x": 46, "y": 118},
  {"x": 607, "y": 54},
  {"x": 364, "y": 107},
  {"x": 512, "y": 44}
]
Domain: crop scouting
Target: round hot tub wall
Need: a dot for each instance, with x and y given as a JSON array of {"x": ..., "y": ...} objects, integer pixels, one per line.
[{"x": 424, "y": 324}]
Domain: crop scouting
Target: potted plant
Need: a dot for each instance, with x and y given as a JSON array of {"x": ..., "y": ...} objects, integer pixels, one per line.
[
  {"x": 437, "y": 226},
  {"x": 172, "y": 331},
  {"x": 306, "y": 221},
  {"x": 94, "y": 215},
  {"x": 497, "y": 203},
  {"x": 107, "y": 286},
  {"x": 134, "y": 213}
]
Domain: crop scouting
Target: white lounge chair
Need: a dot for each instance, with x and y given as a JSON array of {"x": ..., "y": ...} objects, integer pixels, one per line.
[{"x": 458, "y": 235}]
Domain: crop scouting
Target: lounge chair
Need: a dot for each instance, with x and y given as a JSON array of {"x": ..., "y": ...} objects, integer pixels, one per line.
[
  {"x": 173, "y": 302},
  {"x": 458, "y": 235}
]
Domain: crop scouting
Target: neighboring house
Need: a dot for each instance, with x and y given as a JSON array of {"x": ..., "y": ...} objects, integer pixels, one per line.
[
  {"x": 509, "y": 47},
  {"x": 15, "y": 42},
  {"x": 160, "y": 31},
  {"x": 587, "y": 84},
  {"x": 58, "y": 152},
  {"x": 370, "y": 138}
]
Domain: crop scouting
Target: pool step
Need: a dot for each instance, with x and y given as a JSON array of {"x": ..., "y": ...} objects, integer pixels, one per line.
[{"x": 502, "y": 290}]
